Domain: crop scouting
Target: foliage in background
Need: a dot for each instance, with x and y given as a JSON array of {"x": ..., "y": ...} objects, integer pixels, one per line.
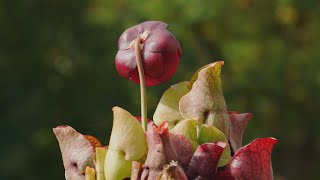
[{"x": 57, "y": 67}]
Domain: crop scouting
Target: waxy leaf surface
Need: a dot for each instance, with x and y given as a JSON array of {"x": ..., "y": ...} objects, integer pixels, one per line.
[
  {"x": 238, "y": 125},
  {"x": 168, "y": 107},
  {"x": 77, "y": 152},
  {"x": 127, "y": 143},
  {"x": 203, "y": 164},
  {"x": 253, "y": 161},
  {"x": 205, "y": 101}
]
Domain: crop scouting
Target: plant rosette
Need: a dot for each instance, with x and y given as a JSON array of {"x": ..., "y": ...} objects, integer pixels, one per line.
[{"x": 192, "y": 135}]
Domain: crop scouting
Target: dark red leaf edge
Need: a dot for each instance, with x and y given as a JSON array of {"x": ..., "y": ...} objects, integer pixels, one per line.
[
  {"x": 253, "y": 161},
  {"x": 203, "y": 164},
  {"x": 238, "y": 125}
]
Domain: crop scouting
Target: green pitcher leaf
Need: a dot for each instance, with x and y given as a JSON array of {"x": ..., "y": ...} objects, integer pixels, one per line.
[
  {"x": 116, "y": 166},
  {"x": 205, "y": 101},
  {"x": 209, "y": 133},
  {"x": 188, "y": 128},
  {"x": 127, "y": 144},
  {"x": 168, "y": 107},
  {"x": 100, "y": 157},
  {"x": 90, "y": 173}
]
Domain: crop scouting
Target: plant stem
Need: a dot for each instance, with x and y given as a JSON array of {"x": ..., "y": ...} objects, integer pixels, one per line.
[{"x": 143, "y": 93}]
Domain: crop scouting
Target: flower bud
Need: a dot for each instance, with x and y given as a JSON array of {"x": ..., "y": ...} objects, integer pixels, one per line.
[{"x": 160, "y": 53}]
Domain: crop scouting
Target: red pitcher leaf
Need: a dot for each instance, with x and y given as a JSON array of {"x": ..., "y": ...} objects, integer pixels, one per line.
[
  {"x": 238, "y": 125},
  {"x": 253, "y": 161},
  {"x": 172, "y": 171},
  {"x": 160, "y": 53},
  {"x": 127, "y": 143},
  {"x": 77, "y": 151},
  {"x": 205, "y": 159},
  {"x": 205, "y": 101},
  {"x": 94, "y": 141},
  {"x": 223, "y": 173},
  {"x": 183, "y": 148},
  {"x": 160, "y": 151}
]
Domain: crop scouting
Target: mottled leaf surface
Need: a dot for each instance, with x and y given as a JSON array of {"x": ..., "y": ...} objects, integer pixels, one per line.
[
  {"x": 205, "y": 101},
  {"x": 77, "y": 152},
  {"x": 253, "y": 161},
  {"x": 160, "y": 151},
  {"x": 238, "y": 125},
  {"x": 168, "y": 107}
]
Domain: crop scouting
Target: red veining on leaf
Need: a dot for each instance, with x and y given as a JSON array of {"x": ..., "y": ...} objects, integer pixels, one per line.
[
  {"x": 253, "y": 161},
  {"x": 94, "y": 141}
]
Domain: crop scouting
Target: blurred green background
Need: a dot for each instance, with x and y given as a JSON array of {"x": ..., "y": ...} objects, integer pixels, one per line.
[{"x": 57, "y": 67}]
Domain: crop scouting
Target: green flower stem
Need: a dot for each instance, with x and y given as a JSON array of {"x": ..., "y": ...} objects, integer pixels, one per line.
[{"x": 143, "y": 93}]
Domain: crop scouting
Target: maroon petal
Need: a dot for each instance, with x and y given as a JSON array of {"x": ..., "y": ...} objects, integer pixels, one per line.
[
  {"x": 161, "y": 53},
  {"x": 238, "y": 125},
  {"x": 155, "y": 61},
  {"x": 125, "y": 62},
  {"x": 161, "y": 40},
  {"x": 132, "y": 33},
  {"x": 203, "y": 164},
  {"x": 152, "y": 25},
  {"x": 253, "y": 161}
]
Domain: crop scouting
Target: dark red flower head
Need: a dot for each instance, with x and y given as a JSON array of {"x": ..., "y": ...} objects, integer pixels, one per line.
[{"x": 160, "y": 53}]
